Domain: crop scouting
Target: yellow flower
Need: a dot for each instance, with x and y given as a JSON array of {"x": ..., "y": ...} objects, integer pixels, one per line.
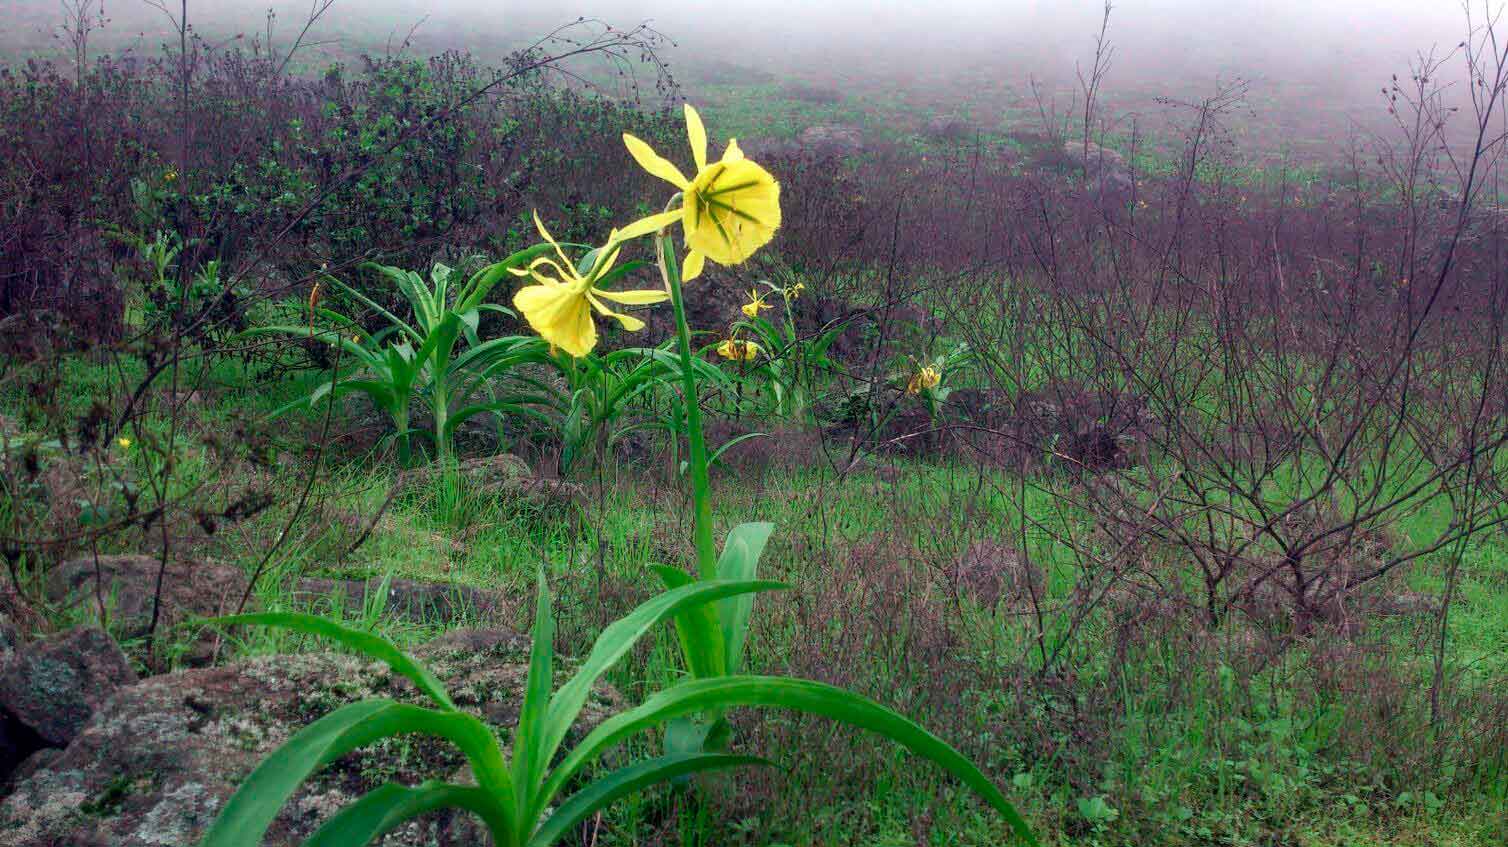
[
  {"x": 559, "y": 307},
  {"x": 756, "y": 303},
  {"x": 733, "y": 348},
  {"x": 792, "y": 292},
  {"x": 124, "y": 442},
  {"x": 926, "y": 378},
  {"x": 728, "y": 210},
  {"x": 170, "y": 176}
]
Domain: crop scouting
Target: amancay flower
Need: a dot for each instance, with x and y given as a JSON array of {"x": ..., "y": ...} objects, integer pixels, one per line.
[
  {"x": 756, "y": 303},
  {"x": 926, "y": 378},
  {"x": 730, "y": 209},
  {"x": 559, "y": 306},
  {"x": 738, "y": 350}
]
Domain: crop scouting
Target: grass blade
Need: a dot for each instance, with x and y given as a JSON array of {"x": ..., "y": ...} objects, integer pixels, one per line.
[{"x": 527, "y": 762}]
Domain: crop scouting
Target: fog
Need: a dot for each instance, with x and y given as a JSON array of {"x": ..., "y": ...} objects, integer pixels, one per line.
[{"x": 1315, "y": 66}]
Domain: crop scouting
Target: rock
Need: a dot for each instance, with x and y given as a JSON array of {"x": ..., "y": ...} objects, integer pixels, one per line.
[
  {"x": 191, "y": 588},
  {"x": 504, "y": 476},
  {"x": 412, "y": 600},
  {"x": 1077, "y": 428},
  {"x": 158, "y": 764},
  {"x": 1101, "y": 165},
  {"x": 50, "y": 688},
  {"x": 543, "y": 491},
  {"x": 833, "y": 139},
  {"x": 822, "y": 95},
  {"x": 994, "y": 572},
  {"x": 10, "y": 639},
  {"x": 1406, "y": 603},
  {"x": 481, "y": 471},
  {"x": 763, "y": 149},
  {"x": 948, "y": 128}
]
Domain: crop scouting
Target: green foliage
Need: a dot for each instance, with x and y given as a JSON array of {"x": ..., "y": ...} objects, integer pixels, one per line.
[
  {"x": 592, "y": 413},
  {"x": 784, "y": 374},
  {"x": 949, "y": 368},
  {"x": 160, "y": 295},
  {"x": 517, "y": 799},
  {"x": 435, "y": 357}
]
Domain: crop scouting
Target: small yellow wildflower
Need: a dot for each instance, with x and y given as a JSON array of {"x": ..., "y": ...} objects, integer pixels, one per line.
[
  {"x": 559, "y": 307},
  {"x": 756, "y": 302},
  {"x": 124, "y": 442},
  {"x": 736, "y": 349},
  {"x": 728, "y": 210},
  {"x": 793, "y": 292},
  {"x": 926, "y": 378},
  {"x": 170, "y": 176}
]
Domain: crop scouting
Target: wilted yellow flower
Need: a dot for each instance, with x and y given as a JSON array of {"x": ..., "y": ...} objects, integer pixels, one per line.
[
  {"x": 737, "y": 349},
  {"x": 756, "y": 303},
  {"x": 926, "y": 378},
  {"x": 123, "y": 441},
  {"x": 559, "y": 307},
  {"x": 792, "y": 292},
  {"x": 728, "y": 210}
]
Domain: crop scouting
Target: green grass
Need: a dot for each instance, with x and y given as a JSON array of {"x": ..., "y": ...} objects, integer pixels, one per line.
[{"x": 1165, "y": 742}]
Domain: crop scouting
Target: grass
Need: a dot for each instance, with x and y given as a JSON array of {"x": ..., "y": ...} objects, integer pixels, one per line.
[{"x": 1165, "y": 741}]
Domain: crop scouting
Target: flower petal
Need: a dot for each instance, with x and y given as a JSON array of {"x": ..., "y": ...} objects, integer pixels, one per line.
[
  {"x": 645, "y": 226},
  {"x": 629, "y": 322},
  {"x": 559, "y": 315},
  {"x": 545, "y": 234},
  {"x": 697, "y": 135},
  {"x": 640, "y": 297},
  {"x": 692, "y": 267},
  {"x": 650, "y": 161},
  {"x": 733, "y": 153},
  {"x": 738, "y": 211}
]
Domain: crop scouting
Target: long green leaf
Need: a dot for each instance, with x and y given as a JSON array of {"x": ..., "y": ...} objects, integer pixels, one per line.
[
  {"x": 703, "y": 695},
  {"x": 382, "y": 809},
  {"x": 626, "y": 781},
  {"x": 528, "y": 767},
  {"x": 393, "y": 319},
  {"x": 740, "y": 561},
  {"x": 440, "y": 341},
  {"x": 246, "y": 816},
  {"x": 691, "y": 626},
  {"x": 619, "y": 638},
  {"x": 374, "y": 646},
  {"x": 482, "y": 282}
]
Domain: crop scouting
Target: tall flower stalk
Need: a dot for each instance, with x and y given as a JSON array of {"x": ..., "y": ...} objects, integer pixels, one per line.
[
  {"x": 728, "y": 210},
  {"x": 701, "y": 485}
]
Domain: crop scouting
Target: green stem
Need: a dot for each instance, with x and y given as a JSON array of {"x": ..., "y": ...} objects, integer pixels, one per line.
[
  {"x": 701, "y": 487},
  {"x": 400, "y": 420}
]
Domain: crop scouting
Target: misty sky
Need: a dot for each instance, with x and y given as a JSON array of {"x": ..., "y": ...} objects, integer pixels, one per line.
[{"x": 1324, "y": 58}]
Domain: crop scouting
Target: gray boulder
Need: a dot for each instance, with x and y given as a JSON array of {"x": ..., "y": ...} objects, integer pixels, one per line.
[
  {"x": 191, "y": 588},
  {"x": 53, "y": 686},
  {"x": 833, "y": 139}
]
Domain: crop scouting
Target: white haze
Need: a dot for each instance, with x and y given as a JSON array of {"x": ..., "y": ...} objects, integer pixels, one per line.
[{"x": 1320, "y": 63}]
